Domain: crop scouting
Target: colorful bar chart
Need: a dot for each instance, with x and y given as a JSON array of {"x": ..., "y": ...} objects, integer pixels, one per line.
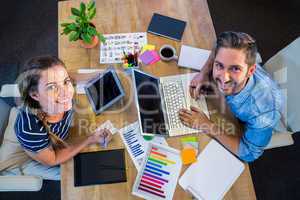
[
  {"x": 159, "y": 172},
  {"x": 135, "y": 144}
]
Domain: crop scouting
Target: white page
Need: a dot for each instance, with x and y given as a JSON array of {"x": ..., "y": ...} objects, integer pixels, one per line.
[
  {"x": 131, "y": 136},
  {"x": 80, "y": 84},
  {"x": 112, "y": 50},
  {"x": 192, "y": 57},
  {"x": 213, "y": 174}
]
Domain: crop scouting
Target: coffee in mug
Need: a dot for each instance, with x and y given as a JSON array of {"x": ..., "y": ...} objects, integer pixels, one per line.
[{"x": 167, "y": 53}]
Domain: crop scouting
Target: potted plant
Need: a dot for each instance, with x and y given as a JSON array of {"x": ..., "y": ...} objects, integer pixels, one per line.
[{"x": 82, "y": 28}]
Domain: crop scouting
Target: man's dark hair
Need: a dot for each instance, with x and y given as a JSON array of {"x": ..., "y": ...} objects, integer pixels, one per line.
[{"x": 240, "y": 41}]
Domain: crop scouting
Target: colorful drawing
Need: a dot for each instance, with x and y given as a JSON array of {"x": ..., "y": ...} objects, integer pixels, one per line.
[
  {"x": 159, "y": 173},
  {"x": 115, "y": 45},
  {"x": 135, "y": 144}
]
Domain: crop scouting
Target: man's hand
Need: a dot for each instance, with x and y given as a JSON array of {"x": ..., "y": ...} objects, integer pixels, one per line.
[
  {"x": 195, "y": 85},
  {"x": 201, "y": 85},
  {"x": 195, "y": 118}
]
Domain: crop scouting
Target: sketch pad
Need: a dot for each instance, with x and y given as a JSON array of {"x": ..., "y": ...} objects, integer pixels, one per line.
[
  {"x": 166, "y": 27},
  {"x": 213, "y": 174}
]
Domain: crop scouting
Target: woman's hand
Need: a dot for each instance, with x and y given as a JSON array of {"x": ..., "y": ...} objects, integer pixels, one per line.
[{"x": 102, "y": 136}]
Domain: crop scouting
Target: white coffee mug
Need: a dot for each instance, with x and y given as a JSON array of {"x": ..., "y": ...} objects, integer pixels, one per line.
[{"x": 167, "y": 53}]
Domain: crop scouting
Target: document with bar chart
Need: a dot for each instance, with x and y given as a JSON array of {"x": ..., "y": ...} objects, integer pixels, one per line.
[
  {"x": 159, "y": 173},
  {"x": 135, "y": 144}
]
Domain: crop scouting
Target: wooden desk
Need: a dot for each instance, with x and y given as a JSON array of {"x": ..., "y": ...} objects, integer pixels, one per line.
[{"x": 121, "y": 16}]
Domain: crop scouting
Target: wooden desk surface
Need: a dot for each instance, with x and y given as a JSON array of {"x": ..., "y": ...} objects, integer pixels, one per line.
[{"x": 122, "y": 16}]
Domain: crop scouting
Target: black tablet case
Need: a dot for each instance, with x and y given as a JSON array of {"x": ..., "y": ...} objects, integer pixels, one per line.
[
  {"x": 166, "y": 26},
  {"x": 100, "y": 167}
]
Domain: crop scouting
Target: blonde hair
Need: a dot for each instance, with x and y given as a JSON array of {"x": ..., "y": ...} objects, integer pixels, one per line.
[{"x": 28, "y": 83}]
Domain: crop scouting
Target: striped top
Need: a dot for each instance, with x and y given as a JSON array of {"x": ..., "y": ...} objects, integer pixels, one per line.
[{"x": 32, "y": 134}]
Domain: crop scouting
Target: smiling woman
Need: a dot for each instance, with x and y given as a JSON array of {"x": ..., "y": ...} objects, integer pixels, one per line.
[{"x": 44, "y": 120}]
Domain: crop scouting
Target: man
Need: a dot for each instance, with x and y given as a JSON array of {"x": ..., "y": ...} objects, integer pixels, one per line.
[{"x": 250, "y": 93}]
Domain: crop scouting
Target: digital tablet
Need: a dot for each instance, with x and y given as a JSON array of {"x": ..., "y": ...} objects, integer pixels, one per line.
[{"x": 104, "y": 90}]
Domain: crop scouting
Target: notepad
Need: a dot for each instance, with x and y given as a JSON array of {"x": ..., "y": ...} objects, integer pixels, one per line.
[
  {"x": 149, "y": 57},
  {"x": 191, "y": 57},
  {"x": 166, "y": 27},
  {"x": 100, "y": 167},
  {"x": 213, "y": 174},
  {"x": 148, "y": 47}
]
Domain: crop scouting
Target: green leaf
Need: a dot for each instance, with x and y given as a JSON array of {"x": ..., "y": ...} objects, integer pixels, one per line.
[
  {"x": 92, "y": 31},
  {"x": 73, "y": 17},
  {"x": 74, "y": 36},
  {"x": 66, "y": 31},
  {"x": 84, "y": 29},
  {"x": 64, "y": 24},
  {"x": 82, "y": 9},
  {"x": 72, "y": 27},
  {"x": 91, "y": 5},
  {"x": 75, "y": 12},
  {"x": 86, "y": 38},
  {"x": 101, "y": 37},
  {"x": 92, "y": 13}
]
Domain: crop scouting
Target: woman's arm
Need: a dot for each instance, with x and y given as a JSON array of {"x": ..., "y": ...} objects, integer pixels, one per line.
[{"x": 52, "y": 157}]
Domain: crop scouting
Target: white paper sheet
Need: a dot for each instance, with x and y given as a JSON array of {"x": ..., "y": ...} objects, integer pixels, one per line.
[
  {"x": 115, "y": 45},
  {"x": 213, "y": 174},
  {"x": 192, "y": 57},
  {"x": 135, "y": 144}
]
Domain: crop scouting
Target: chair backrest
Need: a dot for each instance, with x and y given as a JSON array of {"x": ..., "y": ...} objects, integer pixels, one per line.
[
  {"x": 285, "y": 69},
  {"x": 5, "y": 110}
]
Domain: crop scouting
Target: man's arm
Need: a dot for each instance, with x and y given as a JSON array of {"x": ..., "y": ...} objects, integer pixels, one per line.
[
  {"x": 231, "y": 142},
  {"x": 206, "y": 69},
  {"x": 248, "y": 146},
  {"x": 202, "y": 77}
]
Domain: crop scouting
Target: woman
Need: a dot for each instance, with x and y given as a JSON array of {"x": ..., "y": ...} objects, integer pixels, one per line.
[{"x": 43, "y": 122}]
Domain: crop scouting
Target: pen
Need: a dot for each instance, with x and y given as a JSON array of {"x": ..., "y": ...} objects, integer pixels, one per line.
[
  {"x": 104, "y": 143},
  {"x": 104, "y": 140}
]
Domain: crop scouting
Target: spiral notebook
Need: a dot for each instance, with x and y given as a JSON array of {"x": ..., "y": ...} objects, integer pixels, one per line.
[{"x": 100, "y": 167}]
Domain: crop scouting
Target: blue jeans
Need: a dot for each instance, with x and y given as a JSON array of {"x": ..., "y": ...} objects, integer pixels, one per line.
[{"x": 34, "y": 168}]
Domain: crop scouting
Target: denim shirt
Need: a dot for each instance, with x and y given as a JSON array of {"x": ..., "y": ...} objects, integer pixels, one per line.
[{"x": 258, "y": 106}]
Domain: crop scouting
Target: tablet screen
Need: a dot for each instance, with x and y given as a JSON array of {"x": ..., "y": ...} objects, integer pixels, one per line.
[{"x": 104, "y": 91}]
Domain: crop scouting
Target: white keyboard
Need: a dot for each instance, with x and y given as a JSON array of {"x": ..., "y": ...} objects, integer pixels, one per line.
[{"x": 174, "y": 100}]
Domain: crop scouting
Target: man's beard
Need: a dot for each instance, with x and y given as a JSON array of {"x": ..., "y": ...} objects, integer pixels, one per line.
[{"x": 232, "y": 85}]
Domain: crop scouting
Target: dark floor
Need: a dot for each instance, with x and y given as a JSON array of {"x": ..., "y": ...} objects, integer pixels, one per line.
[
  {"x": 274, "y": 24},
  {"x": 29, "y": 28},
  {"x": 50, "y": 191}
]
